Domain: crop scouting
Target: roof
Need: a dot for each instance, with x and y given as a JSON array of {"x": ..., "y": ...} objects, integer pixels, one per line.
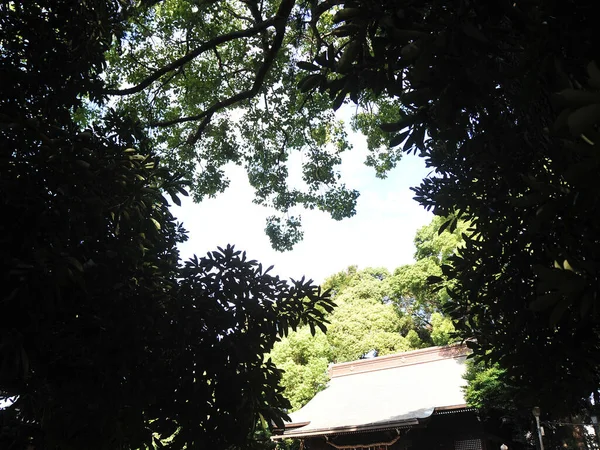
[{"x": 391, "y": 391}]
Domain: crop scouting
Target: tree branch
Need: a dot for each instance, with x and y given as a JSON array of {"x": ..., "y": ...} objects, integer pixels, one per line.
[
  {"x": 193, "y": 54},
  {"x": 257, "y": 15},
  {"x": 316, "y": 11},
  {"x": 194, "y": 137},
  {"x": 237, "y": 16},
  {"x": 279, "y": 21}
]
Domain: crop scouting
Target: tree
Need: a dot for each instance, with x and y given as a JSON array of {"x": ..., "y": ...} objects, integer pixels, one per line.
[
  {"x": 246, "y": 53},
  {"x": 377, "y": 313},
  {"x": 506, "y": 421},
  {"x": 107, "y": 341},
  {"x": 503, "y": 420},
  {"x": 304, "y": 359},
  {"x": 363, "y": 323},
  {"x": 412, "y": 290},
  {"x": 218, "y": 383}
]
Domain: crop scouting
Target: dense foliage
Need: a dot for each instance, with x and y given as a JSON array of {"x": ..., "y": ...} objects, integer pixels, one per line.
[
  {"x": 474, "y": 83},
  {"x": 106, "y": 341},
  {"x": 501, "y": 98},
  {"x": 216, "y": 84},
  {"x": 377, "y": 313}
]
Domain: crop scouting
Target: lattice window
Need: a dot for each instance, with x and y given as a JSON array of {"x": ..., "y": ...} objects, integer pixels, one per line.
[{"x": 468, "y": 444}]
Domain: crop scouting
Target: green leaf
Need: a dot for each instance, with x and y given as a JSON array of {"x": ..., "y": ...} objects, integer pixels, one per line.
[
  {"x": 304, "y": 65},
  {"x": 339, "y": 100},
  {"x": 594, "y": 74},
  {"x": 310, "y": 82},
  {"x": 543, "y": 302},
  {"x": 349, "y": 56},
  {"x": 576, "y": 98},
  {"x": 175, "y": 198},
  {"x": 586, "y": 305},
  {"x": 445, "y": 225},
  {"x": 399, "y": 139},
  {"x": 415, "y": 138},
  {"x": 346, "y": 14},
  {"x": 584, "y": 118},
  {"x": 559, "y": 311},
  {"x": 346, "y": 30},
  {"x": 397, "y": 126},
  {"x": 434, "y": 279},
  {"x": 75, "y": 263},
  {"x": 82, "y": 164}
]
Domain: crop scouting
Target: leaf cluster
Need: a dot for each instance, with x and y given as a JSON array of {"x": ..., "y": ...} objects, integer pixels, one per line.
[{"x": 243, "y": 109}]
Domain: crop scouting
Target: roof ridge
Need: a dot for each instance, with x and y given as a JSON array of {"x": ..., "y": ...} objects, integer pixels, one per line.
[{"x": 420, "y": 356}]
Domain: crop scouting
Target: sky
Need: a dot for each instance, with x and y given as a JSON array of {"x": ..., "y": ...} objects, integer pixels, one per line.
[{"x": 379, "y": 235}]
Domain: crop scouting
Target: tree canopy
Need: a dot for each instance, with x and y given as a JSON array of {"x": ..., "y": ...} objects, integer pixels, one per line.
[
  {"x": 499, "y": 97},
  {"x": 107, "y": 340},
  {"x": 216, "y": 84}
]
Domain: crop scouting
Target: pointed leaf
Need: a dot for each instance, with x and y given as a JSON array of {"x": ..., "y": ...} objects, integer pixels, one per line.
[
  {"x": 305, "y": 65},
  {"x": 399, "y": 139}
]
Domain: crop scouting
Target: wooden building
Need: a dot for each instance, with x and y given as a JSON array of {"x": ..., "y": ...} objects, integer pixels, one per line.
[{"x": 406, "y": 401}]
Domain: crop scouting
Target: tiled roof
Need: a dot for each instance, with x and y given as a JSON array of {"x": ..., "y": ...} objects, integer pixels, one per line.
[{"x": 385, "y": 392}]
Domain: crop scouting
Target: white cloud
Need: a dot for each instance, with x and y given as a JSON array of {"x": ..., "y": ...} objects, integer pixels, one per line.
[{"x": 380, "y": 234}]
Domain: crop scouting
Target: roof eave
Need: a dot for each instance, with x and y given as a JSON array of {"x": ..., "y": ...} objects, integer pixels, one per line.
[
  {"x": 346, "y": 430},
  {"x": 295, "y": 433}
]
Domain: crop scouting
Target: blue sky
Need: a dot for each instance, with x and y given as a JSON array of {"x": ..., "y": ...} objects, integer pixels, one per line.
[{"x": 380, "y": 234}]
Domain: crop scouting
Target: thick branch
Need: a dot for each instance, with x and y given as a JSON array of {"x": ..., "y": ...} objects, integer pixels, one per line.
[
  {"x": 213, "y": 43},
  {"x": 280, "y": 22},
  {"x": 194, "y": 137},
  {"x": 257, "y": 15}
]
